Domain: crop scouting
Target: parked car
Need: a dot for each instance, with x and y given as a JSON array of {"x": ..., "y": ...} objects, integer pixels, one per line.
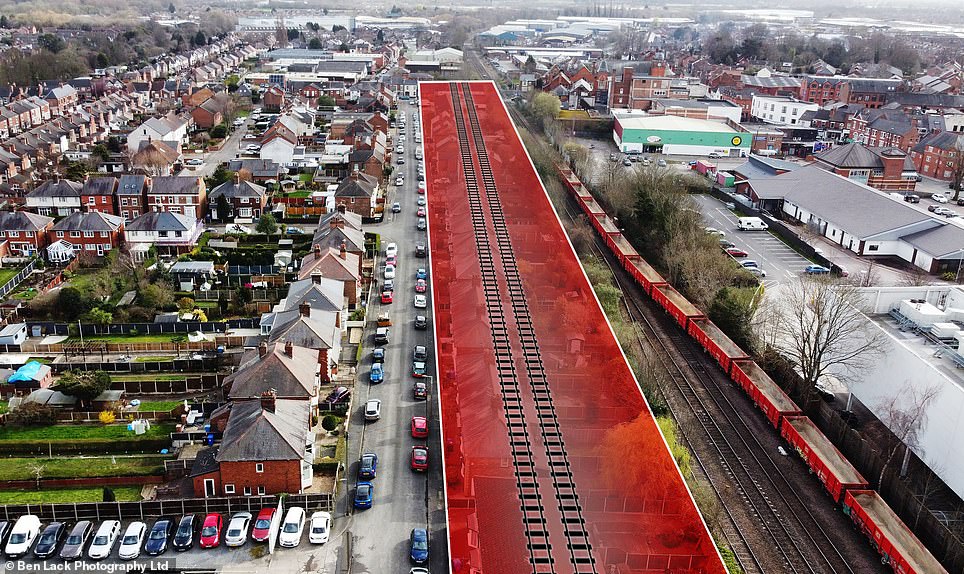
[
  {"x": 715, "y": 231},
  {"x": 419, "y": 546},
  {"x": 382, "y": 335},
  {"x": 211, "y": 530},
  {"x": 419, "y": 427},
  {"x": 750, "y": 263},
  {"x": 421, "y": 212},
  {"x": 377, "y": 374},
  {"x": 130, "y": 547},
  {"x": 391, "y": 250},
  {"x": 387, "y": 297},
  {"x": 237, "y": 531},
  {"x": 392, "y": 260},
  {"x": 292, "y": 527},
  {"x": 159, "y": 536},
  {"x": 73, "y": 547},
  {"x": 661, "y": 162},
  {"x": 50, "y": 539},
  {"x": 627, "y": 162},
  {"x": 194, "y": 161},
  {"x": 421, "y": 302},
  {"x": 939, "y": 197},
  {"x": 184, "y": 537},
  {"x": 419, "y": 460},
  {"x": 396, "y": 207},
  {"x": 22, "y": 536},
  {"x": 420, "y": 390},
  {"x": 378, "y": 355},
  {"x": 338, "y": 395},
  {"x": 420, "y": 200},
  {"x": 399, "y": 181},
  {"x": 421, "y": 273},
  {"x": 756, "y": 271},
  {"x": 912, "y": 198},
  {"x": 816, "y": 270},
  {"x": 420, "y": 250},
  {"x": 367, "y": 466},
  {"x": 389, "y": 272},
  {"x": 104, "y": 539},
  {"x": 319, "y": 527},
  {"x": 421, "y": 286},
  {"x": 421, "y": 323},
  {"x": 262, "y": 524},
  {"x": 735, "y": 252},
  {"x": 364, "y": 495},
  {"x": 725, "y": 244},
  {"x": 932, "y": 208},
  {"x": 388, "y": 285},
  {"x": 421, "y": 225},
  {"x": 373, "y": 410}
]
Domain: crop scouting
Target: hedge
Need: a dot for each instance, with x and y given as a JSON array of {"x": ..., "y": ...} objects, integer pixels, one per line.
[{"x": 82, "y": 446}]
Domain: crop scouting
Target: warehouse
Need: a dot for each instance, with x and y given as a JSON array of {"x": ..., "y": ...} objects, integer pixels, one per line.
[{"x": 674, "y": 135}]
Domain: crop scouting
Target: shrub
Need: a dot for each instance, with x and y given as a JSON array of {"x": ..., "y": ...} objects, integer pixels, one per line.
[
  {"x": 32, "y": 414},
  {"x": 357, "y": 314},
  {"x": 948, "y": 276},
  {"x": 329, "y": 423},
  {"x": 107, "y": 417}
]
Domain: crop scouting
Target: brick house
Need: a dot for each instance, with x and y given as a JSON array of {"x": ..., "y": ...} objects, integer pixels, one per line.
[
  {"x": 884, "y": 128},
  {"x": 90, "y": 233},
  {"x": 311, "y": 329},
  {"x": 336, "y": 264},
  {"x": 208, "y": 114},
  {"x": 170, "y": 233},
  {"x": 886, "y": 169},
  {"x": 358, "y": 193},
  {"x": 132, "y": 196},
  {"x": 937, "y": 154},
  {"x": 290, "y": 370},
  {"x": 263, "y": 450},
  {"x": 273, "y": 99},
  {"x": 311, "y": 93},
  {"x": 240, "y": 199},
  {"x": 638, "y": 85},
  {"x": 340, "y": 228},
  {"x": 25, "y": 232},
  {"x": 99, "y": 194},
  {"x": 57, "y": 197},
  {"x": 178, "y": 194}
]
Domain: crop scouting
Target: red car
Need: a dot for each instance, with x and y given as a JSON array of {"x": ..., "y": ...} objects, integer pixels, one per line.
[
  {"x": 391, "y": 260},
  {"x": 421, "y": 390},
  {"x": 736, "y": 252},
  {"x": 211, "y": 531},
  {"x": 262, "y": 525},
  {"x": 421, "y": 212},
  {"x": 419, "y": 427},
  {"x": 386, "y": 297},
  {"x": 420, "y": 286},
  {"x": 420, "y": 458},
  {"x": 421, "y": 189}
]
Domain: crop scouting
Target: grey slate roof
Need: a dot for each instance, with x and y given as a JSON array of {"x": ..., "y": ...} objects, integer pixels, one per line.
[
  {"x": 257, "y": 167},
  {"x": 93, "y": 221},
  {"x": 100, "y": 186},
  {"x": 329, "y": 295},
  {"x": 230, "y": 190},
  {"x": 760, "y": 167},
  {"x": 291, "y": 377},
  {"x": 858, "y": 156},
  {"x": 314, "y": 332},
  {"x": 941, "y": 242},
  {"x": 771, "y": 82},
  {"x": 161, "y": 221},
  {"x": 57, "y": 188},
  {"x": 942, "y": 140},
  {"x": 256, "y": 434},
  {"x": 23, "y": 221},
  {"x": 131, "y": 185},
  {"x": 361, "y": 186},
  {"x": 326, "y": 237},
  {"x": 175, "y": 184}
]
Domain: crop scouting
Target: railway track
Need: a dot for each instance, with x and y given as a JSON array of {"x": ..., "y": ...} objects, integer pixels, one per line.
[{"x": 795, "y": 535}]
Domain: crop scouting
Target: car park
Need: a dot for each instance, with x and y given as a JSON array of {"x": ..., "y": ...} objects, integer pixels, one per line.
[
  {"x": 418, "y": 547},
  {"x": 236, "y": 533},
  {"x": 364, "y": 495},
  {"x": 377, "y": 374},
  {"x": 735, "y": 252},
  {"x": 421, "y": 323},
  {"x": 420, "y": 390},
  {"x": 211, "y": 530},
  {"x": 51, "y": 537},
  {"x": 386, "y": 297},
  {"x": 421, "y": 302},
  {"x": 184, "y": 537},
  {"x": 262, "y": 524},
  {"x": 319, "y": 527},
  {"x": 367, "y": 466},
  {"x": 130, "y": 546},
  {"x": 816, "y": 270},
  {"x": 373, "y": 410},
  {"x": 159, "y": 536},
  {"x": 103, "y": 542},
  {"x": 419, "y": 427},
  {"x": 419, "y": 461},
  {"x": 292, "y": 527},
  {"x": 22, "y": 536}
]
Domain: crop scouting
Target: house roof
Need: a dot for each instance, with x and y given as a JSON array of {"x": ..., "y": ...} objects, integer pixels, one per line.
[
  {"x": 131, "y": 184},
  {"x": 332, "y": 237},
  {"x": 230, "y": 190},
  {"x": 316, "y": 331},
  {"x": 943, "y": 140},
  {"x": 93, "y": 221},
  {"x": 148, "y": 150},
  {"x": 57, "y": 188},
  {"x": 331, "y": 264},
  {"x": 193, "y": 267},
  {"x": 327, "y": 295},
  {"x": 257, "y": 167},
  {"x": 351, "y": 219},
  {"x": 162, "y": 221},
  {"x": 855, "y": 155},
  {"x": 100, "y": 186},
  {"x": 291, "y": 377},
  {"x": 176, "y": 184},
  {"x": 23, "y": 221},
  {"x": 254, "y": 433},
  {"x": 940, "y": 242},
  {"x": 357, "y": 185}
]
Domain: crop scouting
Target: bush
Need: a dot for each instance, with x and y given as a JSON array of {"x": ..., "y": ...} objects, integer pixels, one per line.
[
  {"x": 107, "y": 417},
  {"x": 329, "y": 422},
  {"x": 948, "y": 276},
  {"x": 357, "y": 314},
  {"x": 32, "y": 414}
]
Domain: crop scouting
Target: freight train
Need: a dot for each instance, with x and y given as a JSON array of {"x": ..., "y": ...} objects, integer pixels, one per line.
[{"x": 896, "y": 544}]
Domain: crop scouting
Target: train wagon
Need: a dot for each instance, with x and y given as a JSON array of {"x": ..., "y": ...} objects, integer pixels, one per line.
[
  {"x": 591, "y": 207},
  {"x": 832, "y": 468},
  {"x": 767, "y": 395},
  {"x": 718, "y": 345},
  {"x": 605, "y": 226},
  {"x": 622, "y": 249},
  {"x": 896, "y": 544},
  {"x": 644, "y": 274},
  {"x": 676, "y": 305}
]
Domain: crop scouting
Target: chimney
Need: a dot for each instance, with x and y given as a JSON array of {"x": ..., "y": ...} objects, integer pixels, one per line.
[
  {"x": 354, "y": 172},
  {"x": 343, "y": 251},
  {"x": 323, "y": 370},
  {"x": 237, "y": 178},
  {"x": 289, "y": 349},
  {"x": 304, "y": 309},
  {"x": 338, "y": 319},
  {"x": 342, "y": 208},
  {"x": 317, "y": 250},
  {"x": 337, "y": 223},
  {"x": 268, "y": 399},
  {"x": 316, "y": 277},
  {"x": 262, "y": 349}
]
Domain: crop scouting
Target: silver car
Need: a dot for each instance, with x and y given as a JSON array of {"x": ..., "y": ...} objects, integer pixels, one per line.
[{"x": 237, "y": 532}]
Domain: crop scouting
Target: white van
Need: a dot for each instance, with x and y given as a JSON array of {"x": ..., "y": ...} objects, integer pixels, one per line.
[
  {"x": 751, "y": 224},
  {"x": 22, "y": 536}
]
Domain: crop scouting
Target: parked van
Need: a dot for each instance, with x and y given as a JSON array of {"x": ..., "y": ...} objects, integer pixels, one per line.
[
  {"x": 22, "y": 536},
  {"x": 751, "y": 224}
]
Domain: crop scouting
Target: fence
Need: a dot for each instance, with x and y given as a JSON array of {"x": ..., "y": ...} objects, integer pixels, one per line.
[
  {"x": 18, "y": 278},
  {"x": 175, "y": 366},
  {"x": 152, "y": 508},
  {"x": 81, "y": 482},
  {"x": 93, "y": 417},
  {"x": 93, "y": 329},
  {"x": 269, "y": 295}
]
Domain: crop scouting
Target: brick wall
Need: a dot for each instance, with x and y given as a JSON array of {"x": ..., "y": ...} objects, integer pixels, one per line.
[{"x": 277, "y": 477}]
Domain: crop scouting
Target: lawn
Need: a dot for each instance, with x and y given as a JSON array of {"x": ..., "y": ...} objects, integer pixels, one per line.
[
  {"x": 79, "y": 432},
  {"x": 125, "y": 339},
  {"x": 82, "y": 467},
  {"x": 61, "y": 495},
  {"x": 41, "y": 360},
  {"x": 301, "y": 193},
  {"x": 3, "y": 406},
  {"x": 165, "y": 406},
  {"x": 158, "y": 377},
  {"x": 155, "y": 359},
  {"x": 7, "y": 273}
]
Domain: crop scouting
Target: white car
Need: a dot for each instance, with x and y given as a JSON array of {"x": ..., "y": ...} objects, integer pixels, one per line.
[
  {"x": 399, "y": 181},
  {"x": 401, "y": 138},
  {"x": 252, "y": 147},
  {"x": 319, "y": 528},
  {"x": 130, "y": 547},
  {"x": 391, "y": 250},
  {"x": 292, "y": 527},
  {"x": 420, "y": 302},
  {"x": 22, "y": 536},
  {"x": 939, "y": 198},
  {"x": 104, "y": 539},
  {"x": 237, "y": 532},
  {"x": 389, "y": 272},
  {"x": 373, "y": 410}
]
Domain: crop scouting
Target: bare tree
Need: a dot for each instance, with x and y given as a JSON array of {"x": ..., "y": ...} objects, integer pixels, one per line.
[
  {"x": 37, "y": 469},
  {"x": 818, "y": 325},
  {"x": 957, "y": 167},
  {"x": 905, "y": 414}
]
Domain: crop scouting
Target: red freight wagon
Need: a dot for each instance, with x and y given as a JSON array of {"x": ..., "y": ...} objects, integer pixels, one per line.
[
  {"x": 620, "y": 247},
  {"x": 675, "y": 304},
  {"x": 605, "y": 226},
  {"x": 582, "y": 193},
  {"x": 591, "y": 207},
  {"x": 644, "y": 274},
  {"x": 896, "y": 543},
  {"x": 834, "y": 471},
  {"x": 718, "y": 345},
  {"x": 767, "y": 395}
]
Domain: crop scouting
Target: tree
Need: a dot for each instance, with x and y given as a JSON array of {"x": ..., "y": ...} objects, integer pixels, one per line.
[
  {"x": 315, "y": 44},
  {"x": 338, "y": 28},
  {"x": 37, "y": 469},
  {"x": 267, "y": 225},
  {"x": 199, "y": 39},
  {"x": 293, "y": 34},
  {"x": 4, "y": 22},
  {"x": 84, "y": 385},
  {"x": 544, "y": 107},
  {"x": 100, "y": 150},
  {"x": 185, "y": 304},
  {"x": 255, "y": 95},
  {"x": 220, "y": 175},
  {"x": 818, "y": 325},
  {"x": 156, "y": 295},
  {"x": 905, "y": 414},
  {"x": 76, "y": 171},
  {"x": 72, "y": 303},
  {"x": 51, "y": 42},
  {"x": 108, "y": 494},
  {"x": 171, "y": 8},
  {"x": 32, "y": 414},
  {"x": 100, "y": 317},
  {"x": 219, "y": 131}
]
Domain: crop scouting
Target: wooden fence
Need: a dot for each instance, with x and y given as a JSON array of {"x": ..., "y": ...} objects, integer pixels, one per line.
[
  {"x": 81, "y": 482},
  {"x": 191, "y": 384}
]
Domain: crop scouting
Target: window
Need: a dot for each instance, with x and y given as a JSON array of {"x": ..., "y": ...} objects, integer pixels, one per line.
[
  {"x": 873, "y": 247},
  {"x": 75, "y": 234},
  {"x": 91, "y": 200},
  {"x": 60, "y": 234},
  {"x": 228, "y": 489},
  {"x": 90, "y": 247},
  {"x": 261, "y": 491},
  {"x": 124, "y": 201},
  {"x": 247, "y": 491},
  {"x": 30, "y": 234},
  {"x": 105, "y": 234},
  {"x": 244, "y": 200},
  {"x": 259, "y": 467},
  {"x": 88, "y": 234}
]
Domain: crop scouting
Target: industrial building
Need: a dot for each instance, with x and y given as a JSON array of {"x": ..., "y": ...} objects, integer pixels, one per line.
[{"x": 675, "y": 135}]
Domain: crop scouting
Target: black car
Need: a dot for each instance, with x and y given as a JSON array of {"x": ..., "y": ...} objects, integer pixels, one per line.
[
  {"x": 420, "y": 250},
  {"x": 159, "y": 536},
  {"x": 4, "y": 531},
  {"x": 76, "y": 542},
  {"x": 50, "y": 539},
  {"x": 184, "y": 537},
  {"x": 367, "y": 466},
  {"x": 338, "y": 395},
  {"x": 420, "y": 353},
  {"x": 421, "y": 323}
]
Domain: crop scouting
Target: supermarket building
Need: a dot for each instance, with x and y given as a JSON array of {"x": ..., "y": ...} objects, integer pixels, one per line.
[{"x": 675, "y": 135}]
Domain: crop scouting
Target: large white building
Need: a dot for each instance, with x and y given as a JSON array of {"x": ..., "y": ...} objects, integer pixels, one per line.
[{"x": 779, "y": 109}]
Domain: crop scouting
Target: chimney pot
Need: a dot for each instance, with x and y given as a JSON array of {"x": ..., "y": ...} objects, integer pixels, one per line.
[
  {"x": 305, "y": 309},
  {"x": 262, "y": 349},
  {"x": 316, "y": 278},
  {"x": 289, "y": 348},
  {"x": 317, "y": 249},
  {"x": 343, "y": 252},
  {"x": 268, "y": 400}
]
